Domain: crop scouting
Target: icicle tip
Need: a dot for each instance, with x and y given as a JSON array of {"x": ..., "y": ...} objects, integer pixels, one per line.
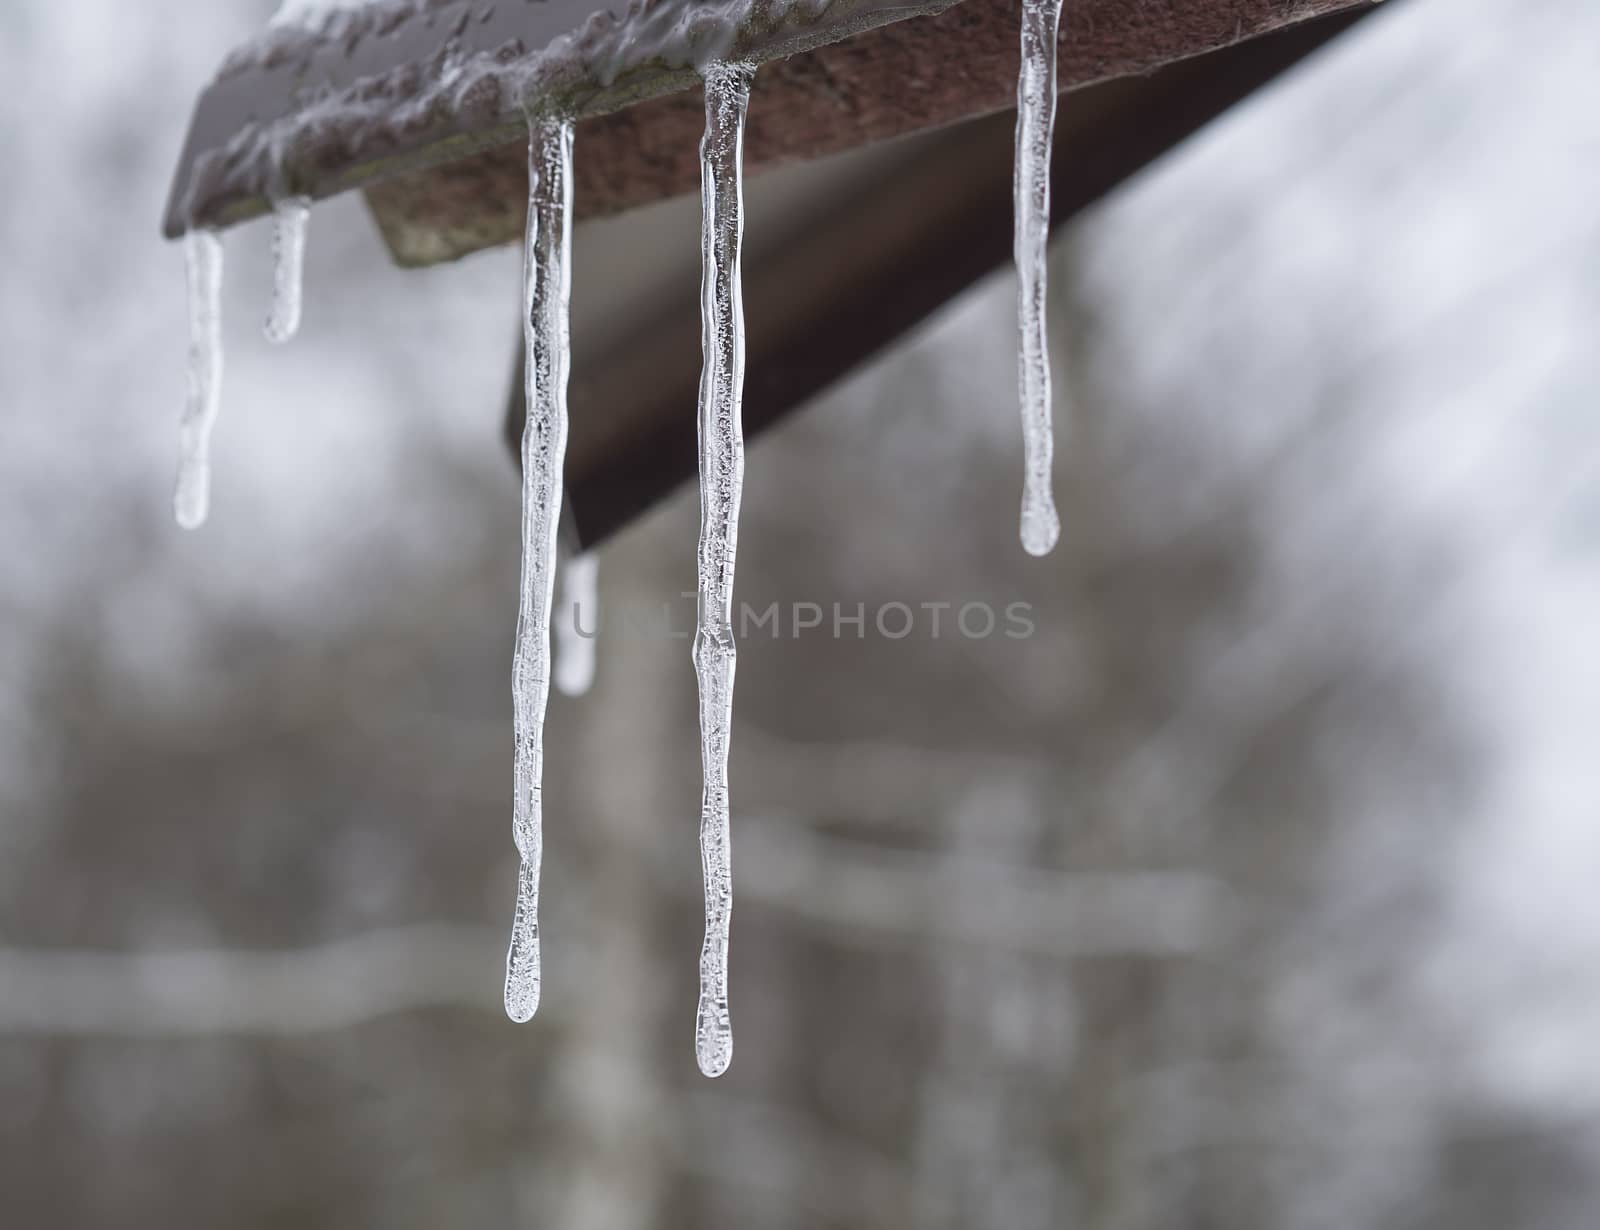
[
  {"x": 522, "y": 1001},
  {"x": 1041, "y": 527},
  {"x": 713, "y": 1049},
  {"x": 189, "y": 505}
]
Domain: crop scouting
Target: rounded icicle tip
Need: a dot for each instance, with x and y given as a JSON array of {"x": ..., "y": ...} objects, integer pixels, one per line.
[
  {"x": 714, "y": 1061},
  {"x": 189, "y": 504},
  {"x": 522, "y": 996},
  {"x": 713, "y": 1041},
  {"x": 1041, "y": 527},
  {"x": 289, "y": 256}
]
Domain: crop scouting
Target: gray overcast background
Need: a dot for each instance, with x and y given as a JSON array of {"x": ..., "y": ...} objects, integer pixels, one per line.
[{"x": 1257, "y": 890}]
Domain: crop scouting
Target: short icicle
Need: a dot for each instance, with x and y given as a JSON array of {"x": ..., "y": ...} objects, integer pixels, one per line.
[
  {"x": 727, "y": 94},
  {"x": 192, "y": 501},
  {"x": 548, "y": 273},
  {"x": 289, "y": 257},
  {"x": 1036, "y": 118},
  {"x": 577, "y": 624}
]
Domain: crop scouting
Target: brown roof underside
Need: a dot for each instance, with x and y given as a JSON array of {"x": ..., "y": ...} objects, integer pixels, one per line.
[{"x": 907, "y": 76}]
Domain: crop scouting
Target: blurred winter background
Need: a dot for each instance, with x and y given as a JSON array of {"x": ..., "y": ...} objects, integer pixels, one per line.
[{"x": 1257, "y": 889}]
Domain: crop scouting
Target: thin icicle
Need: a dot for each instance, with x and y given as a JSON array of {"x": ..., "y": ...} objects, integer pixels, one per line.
[
  {"x": 544, "y": 444},
  {"x": 192, "y": 500},
  {"x": 727, "y": 89},
  {"x": 289, "y": 252},
  {"x": 577, "y": 624},
  {"x": 1036, "y": 119}
]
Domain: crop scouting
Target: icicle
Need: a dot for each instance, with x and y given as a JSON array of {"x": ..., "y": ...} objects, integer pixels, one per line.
[
  {"x": 577, "y": 624},
  {"x": 289, "y": 251},
  {"x": 544, "y": 444},
  {"x": 727, "y": 89},
  {"x": 1036, "y": 118},
  {"x": 192, "y": 500}
]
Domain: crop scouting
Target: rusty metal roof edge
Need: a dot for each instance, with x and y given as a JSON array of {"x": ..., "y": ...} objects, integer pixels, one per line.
[
  {"x": 223, "y": 180},
  {"x": 904, "y": 77}
]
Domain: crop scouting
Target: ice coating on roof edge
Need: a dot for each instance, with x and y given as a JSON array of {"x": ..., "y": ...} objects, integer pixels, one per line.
[
  {"x": 311, "y": 13},
  {"x": 684, "y": 33},
  {"x": 472, "y": 87}
]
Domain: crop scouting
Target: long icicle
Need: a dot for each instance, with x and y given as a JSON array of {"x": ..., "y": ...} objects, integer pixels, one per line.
[
  {"x": 727, "y": 91},
  {"x": 289, "y": 257},
  {"x": 544, "y": 444},
  {"x": 1036, "y": 119},
  {"x": 191, "y": 502}
]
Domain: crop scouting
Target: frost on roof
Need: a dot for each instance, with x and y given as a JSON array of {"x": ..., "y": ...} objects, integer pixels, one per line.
[
  {"x": 314, "y": 12},
  {"x": 324, "y": 99}
]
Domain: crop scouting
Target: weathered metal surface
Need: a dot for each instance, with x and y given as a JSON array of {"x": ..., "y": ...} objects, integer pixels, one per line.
[
  {"x": 449, "y": 177},
  {"x": 410, "y": 84},
  {"x": 904, "y": 77},
  {"x": 831, "y": 292}
]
